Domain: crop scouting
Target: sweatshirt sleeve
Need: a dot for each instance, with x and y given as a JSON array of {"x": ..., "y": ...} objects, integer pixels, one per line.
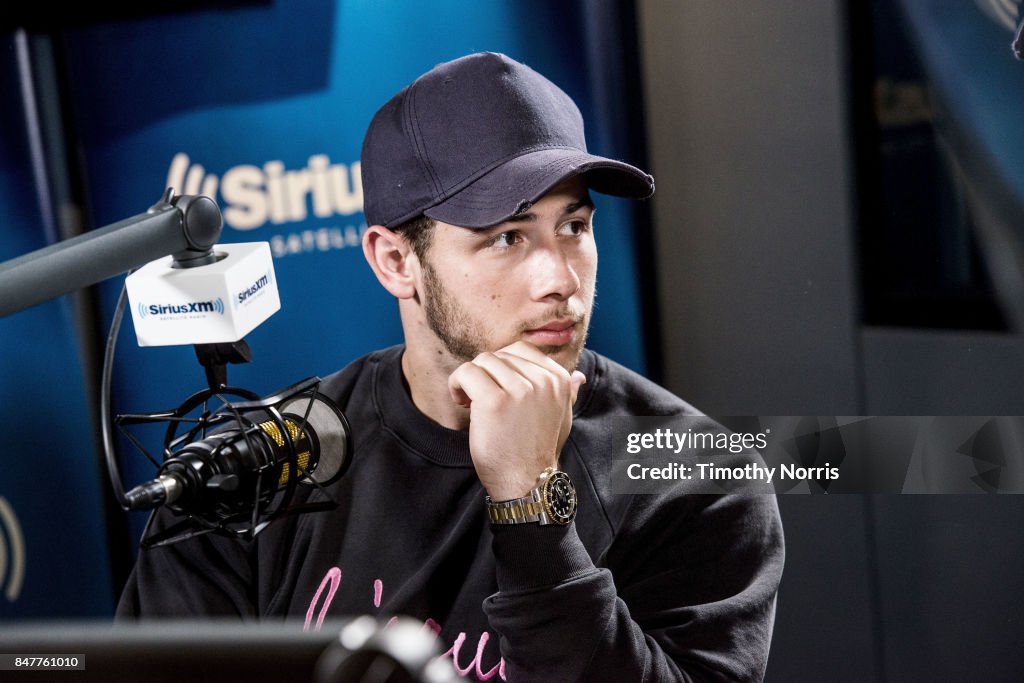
[
  {"x": 205, "y": 576},
  {"x": 692, "y": 599}
]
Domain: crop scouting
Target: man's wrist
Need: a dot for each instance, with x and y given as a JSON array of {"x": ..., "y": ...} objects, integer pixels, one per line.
[
  {"x": 510, "y": 489},
  {"x": 516, "y": 481}
]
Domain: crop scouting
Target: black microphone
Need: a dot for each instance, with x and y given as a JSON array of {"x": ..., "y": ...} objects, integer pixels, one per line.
[{"x": 257, "y": 449}]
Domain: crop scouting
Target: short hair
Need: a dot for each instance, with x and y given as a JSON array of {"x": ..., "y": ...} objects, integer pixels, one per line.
[{"x": 418, "y": 233}]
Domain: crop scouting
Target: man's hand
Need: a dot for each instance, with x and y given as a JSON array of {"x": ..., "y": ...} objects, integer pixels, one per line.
[{"x": 520, "y": 403}]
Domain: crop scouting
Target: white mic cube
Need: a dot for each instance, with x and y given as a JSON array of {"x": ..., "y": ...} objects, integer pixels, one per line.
[{"x": 215, "y": 303}]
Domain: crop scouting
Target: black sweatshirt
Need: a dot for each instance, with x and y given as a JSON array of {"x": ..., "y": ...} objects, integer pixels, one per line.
[{"x": 658, "y": 587}]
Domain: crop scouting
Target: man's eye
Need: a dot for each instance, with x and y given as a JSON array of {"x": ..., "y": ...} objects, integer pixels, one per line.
[
  {"x": 575, "y": 228},
  {"x": 506, "y": 239}
]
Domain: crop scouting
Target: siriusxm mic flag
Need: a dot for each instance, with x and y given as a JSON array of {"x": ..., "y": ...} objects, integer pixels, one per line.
[
  {"x": 218, "y": 302},
  {"x": 263, "y": 107}
]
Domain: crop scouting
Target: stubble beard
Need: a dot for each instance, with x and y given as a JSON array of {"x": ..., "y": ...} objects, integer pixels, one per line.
[{"x": 465, "y": 338}]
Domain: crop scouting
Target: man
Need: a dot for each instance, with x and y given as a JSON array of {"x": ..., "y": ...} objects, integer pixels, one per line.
[{"x": 476, "y": 186}]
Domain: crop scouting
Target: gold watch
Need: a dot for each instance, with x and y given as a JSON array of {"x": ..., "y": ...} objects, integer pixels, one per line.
[{"x": 552, "y": 501}]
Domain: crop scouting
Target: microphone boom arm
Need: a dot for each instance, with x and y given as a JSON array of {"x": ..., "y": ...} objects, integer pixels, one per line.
[{"x": 187, "y": 227}]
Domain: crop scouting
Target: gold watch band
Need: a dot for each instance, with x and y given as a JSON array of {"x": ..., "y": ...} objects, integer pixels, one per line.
[
  {"x": 516, "y": 511},
  {"x": 558, "y": 508}
]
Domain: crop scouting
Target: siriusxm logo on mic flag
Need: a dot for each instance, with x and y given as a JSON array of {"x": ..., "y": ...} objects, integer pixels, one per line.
[
  {"x": 187, "y": 305},
  {"x": 190, "y": 308},
  {"x": 246, "y": 296}
]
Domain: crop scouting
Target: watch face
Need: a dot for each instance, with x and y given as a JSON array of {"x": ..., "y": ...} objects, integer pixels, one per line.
[{"x": 560, "y": 498}]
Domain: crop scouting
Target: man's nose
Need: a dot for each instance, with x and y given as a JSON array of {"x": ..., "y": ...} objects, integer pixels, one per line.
[{"x": 554, "y": 275}]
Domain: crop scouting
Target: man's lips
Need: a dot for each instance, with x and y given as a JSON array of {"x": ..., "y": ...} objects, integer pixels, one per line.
[
  {"x": 554, "y": 333},
  {"x": 555, "y": 326}
]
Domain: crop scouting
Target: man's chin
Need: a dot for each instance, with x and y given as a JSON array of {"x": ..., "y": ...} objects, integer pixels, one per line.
[{"x": 568, "y": 356}]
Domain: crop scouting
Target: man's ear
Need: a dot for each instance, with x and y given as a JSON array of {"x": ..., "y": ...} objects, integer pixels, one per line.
[{"x": 392, "y": 260}]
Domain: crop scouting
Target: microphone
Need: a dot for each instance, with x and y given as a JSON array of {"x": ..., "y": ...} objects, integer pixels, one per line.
[{"x": 257, "y": 450}]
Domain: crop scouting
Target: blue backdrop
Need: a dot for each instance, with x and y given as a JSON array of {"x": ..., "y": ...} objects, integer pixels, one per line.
[{"x": 53, "y": 542}]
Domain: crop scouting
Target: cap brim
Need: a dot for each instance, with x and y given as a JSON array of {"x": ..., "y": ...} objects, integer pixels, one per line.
[{"x": 512, "y": 187}]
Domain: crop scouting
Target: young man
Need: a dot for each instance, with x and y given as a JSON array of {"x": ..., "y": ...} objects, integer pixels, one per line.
[{"x": 476, "y": 186}]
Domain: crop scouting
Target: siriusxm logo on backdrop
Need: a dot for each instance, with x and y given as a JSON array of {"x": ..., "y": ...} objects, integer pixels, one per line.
[
  {"x": 1006, "y": 13},
  {"x": 12, "y": 552},
  {"x": 189, "y": 308},
  {"x": 253, "y": 195}
]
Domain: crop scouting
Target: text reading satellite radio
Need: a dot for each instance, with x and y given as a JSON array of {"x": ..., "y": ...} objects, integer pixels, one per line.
[{"x": 231, "y": 461}]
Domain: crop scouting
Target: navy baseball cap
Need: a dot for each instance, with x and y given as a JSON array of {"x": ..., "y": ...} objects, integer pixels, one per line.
[{"x": 476, "y": 141}]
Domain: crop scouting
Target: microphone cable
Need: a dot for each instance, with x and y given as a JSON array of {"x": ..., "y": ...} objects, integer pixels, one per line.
[{"x": 106, "y": 422}]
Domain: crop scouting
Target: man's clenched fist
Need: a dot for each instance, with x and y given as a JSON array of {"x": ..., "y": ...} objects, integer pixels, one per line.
[{"x": 520, "y": 404}]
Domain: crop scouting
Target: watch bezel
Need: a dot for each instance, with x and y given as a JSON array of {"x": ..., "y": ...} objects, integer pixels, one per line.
[{"x": 547, "y": 496}]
